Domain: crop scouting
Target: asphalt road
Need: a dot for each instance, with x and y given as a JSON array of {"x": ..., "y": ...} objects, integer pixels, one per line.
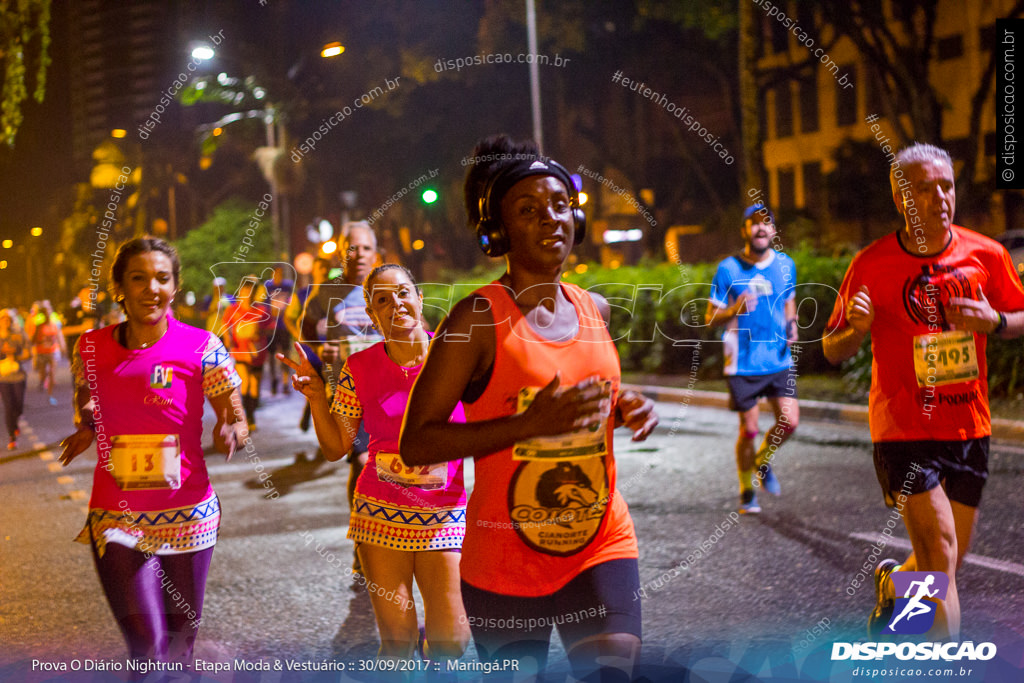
[{"x": 762, "y": 597}]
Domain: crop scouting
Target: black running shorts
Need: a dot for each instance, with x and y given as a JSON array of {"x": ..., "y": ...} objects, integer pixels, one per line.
[
  {"x": 744, "y": 390},
  {"x": 598, "y": 600},
  {"x": 910, "y": 467}
]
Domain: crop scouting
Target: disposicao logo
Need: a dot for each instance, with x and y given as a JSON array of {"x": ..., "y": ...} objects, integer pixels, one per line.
[{"x": 914, "y": 613}]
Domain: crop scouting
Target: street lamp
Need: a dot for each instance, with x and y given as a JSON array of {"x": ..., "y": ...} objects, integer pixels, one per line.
[
  {"x": 202, "y": 52},
  {"x": 531, "y": 42},
  {"x": 332, "y": 50}
]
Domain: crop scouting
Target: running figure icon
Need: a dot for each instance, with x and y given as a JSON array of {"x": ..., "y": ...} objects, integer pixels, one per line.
[{"x": 915, "y": 606}]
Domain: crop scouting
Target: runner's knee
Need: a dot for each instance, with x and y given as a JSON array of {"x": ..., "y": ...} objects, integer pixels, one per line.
[
  {"x": 396, "y": 645},
  {"x": 606, "y": 657},
  {"x": 787, "y": 425},
  {"x": 446, "y": 649}
]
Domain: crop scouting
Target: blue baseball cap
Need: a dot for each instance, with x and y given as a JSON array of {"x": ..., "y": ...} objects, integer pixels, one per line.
[{"x": 761, "y": 209}]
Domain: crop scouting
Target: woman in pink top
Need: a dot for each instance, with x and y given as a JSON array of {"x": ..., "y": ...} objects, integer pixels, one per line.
[
  {"x": 407, "y": 522},
  {"x": 153, "y": 516}
]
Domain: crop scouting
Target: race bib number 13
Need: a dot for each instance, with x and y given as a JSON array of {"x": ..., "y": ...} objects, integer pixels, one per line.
[
  {"x": 945, "y": 358},
  {"x": 146, "y": 461}
]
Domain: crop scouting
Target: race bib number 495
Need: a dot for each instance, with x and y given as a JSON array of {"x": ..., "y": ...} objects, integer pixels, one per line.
[{"x": 945, "y": 358}]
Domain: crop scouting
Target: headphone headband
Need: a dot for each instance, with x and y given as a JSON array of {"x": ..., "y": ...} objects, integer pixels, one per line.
[{"x": 491, "y": 234}]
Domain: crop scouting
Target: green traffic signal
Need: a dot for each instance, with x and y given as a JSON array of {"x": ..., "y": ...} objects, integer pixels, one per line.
[{"x": 429, "y": 196}]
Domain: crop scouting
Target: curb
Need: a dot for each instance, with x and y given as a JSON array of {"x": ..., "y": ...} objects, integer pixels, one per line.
[{"x": 1002, "y": 429}]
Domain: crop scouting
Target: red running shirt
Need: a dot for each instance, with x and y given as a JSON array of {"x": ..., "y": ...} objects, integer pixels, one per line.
[
  {"x": 928, "y": 382},
  {"x": 540, "y": 513}
]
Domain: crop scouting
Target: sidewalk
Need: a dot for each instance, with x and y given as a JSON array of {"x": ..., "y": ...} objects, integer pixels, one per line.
[{"x": 1002, "y": 430}]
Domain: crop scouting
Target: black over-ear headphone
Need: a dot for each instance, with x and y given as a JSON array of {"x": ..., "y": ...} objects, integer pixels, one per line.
[{"x": 490, "y": 233}]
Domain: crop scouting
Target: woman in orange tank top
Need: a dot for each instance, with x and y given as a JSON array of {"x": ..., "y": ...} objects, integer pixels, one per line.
[{"x": 548, "y": 539}]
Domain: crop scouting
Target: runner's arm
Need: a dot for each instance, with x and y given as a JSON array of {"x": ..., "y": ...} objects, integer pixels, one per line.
[
  {"x": 292, "y": 314},
  {"x": 716, "y": 315},
  {"x": 336, "y": 433},
  {"x": 26, "y": 348},
  {"x": 842, "y": 344},
  {"x": 231, "y": 429},
  {"x": 73, "y": 445},
  {"x": 860, "y": 314},
  {"x": 978, "y": 315},
  {"x": 636, "y": 411},
  {"x": 1014, "y": 325},
  {"x": 792, "y": 327},
  {"x": 632, "y": 409}
]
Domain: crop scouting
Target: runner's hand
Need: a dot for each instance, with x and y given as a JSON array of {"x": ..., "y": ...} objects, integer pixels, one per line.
[
  {"x": 556, "y": 410},
  {"x": 305, "y": 380},
  {"x": 969, "y": 314},
  {"x": 860, "y": 312},
  {"x": 229, "y": 436},
  {"x": 745, "y": 303},
  {"x": 637, "y": 413},
  {"x": 75, "y": 444}
]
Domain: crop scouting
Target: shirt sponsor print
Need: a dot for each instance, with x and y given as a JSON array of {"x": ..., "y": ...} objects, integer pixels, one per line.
[
  {"x": 161, "y": 377},
  {"x": 557, "y": 506},
  {"x": 926, "y": 294}
]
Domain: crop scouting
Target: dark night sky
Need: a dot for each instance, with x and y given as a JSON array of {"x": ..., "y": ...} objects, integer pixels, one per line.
[{"x": 36, "y": 176}]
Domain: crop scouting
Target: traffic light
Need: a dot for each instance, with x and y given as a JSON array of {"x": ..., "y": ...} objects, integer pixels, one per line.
[{"x": 429, "y": 196}]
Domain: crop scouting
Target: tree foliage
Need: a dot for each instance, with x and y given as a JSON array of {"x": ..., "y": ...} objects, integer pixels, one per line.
[
  {"x": 900, "y": 55},
  {"x": 24, "y": 42},
  {"x": 221, "y": 240}
]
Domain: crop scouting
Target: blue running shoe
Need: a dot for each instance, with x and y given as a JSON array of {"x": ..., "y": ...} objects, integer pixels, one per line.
[
  {"x": 769, "y": 480},
  {"x": 748, "y": 503}
]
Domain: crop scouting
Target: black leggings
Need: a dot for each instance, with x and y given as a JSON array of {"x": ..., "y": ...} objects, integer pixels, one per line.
[
  {"x": 13, "y": 394},
  {"x": 158, "y": 602}
]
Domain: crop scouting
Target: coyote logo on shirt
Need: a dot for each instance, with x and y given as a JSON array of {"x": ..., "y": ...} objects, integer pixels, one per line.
[
  {"x": 564, "y": 485},
  {"x": 558, "y": 506}
]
